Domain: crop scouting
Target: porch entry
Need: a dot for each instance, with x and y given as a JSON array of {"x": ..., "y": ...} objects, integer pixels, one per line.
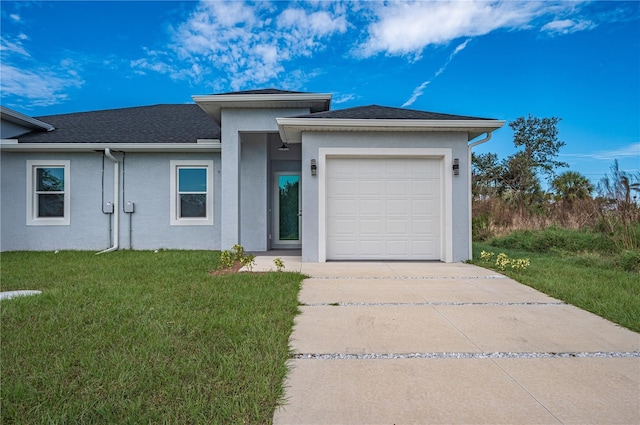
[{"x": 287, "y": 213}]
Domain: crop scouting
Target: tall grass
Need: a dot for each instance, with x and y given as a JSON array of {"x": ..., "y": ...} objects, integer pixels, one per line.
[
  {"x": 142, "y": 337},
  {"x": 495, "y": 217}
]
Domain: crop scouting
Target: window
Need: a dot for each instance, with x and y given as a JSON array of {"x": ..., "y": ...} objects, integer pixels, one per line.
[
  {"x": 47, "y": 193},
  {"x": 191, "y": 192}
]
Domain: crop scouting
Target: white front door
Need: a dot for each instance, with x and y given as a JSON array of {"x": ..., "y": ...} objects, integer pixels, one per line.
[{"x": 287, "y": 214}]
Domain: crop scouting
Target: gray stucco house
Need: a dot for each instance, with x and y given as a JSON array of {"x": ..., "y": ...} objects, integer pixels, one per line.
[{"x": 268, "y": 169}]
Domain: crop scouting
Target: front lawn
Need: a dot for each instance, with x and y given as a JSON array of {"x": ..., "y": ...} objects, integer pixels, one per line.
[
  {"x": 142, "y": 337},
  {"x": 590, "y": 280}
]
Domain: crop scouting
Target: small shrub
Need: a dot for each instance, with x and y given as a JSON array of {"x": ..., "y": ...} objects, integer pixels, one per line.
[
  {"x": 248, "y": 261},
  {"x": 226, "y": 260},
  {"x": 279, "y": 263}
]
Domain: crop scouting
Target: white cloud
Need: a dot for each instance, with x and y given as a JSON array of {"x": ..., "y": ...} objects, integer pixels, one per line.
[
  {"x": 343, "y": 98},
  {"x": 418, "y": 91},
  {"x": 41, "y": 87},
  {"x": 407, "y": 27},
  {"x": 15, "y": 17},
  {"x": 567, "y": 26},
  {"x": 8, "y": 47},
  {"x": 246, "y": 44},
  {"x": 32, "y": 83},
  {"x": 630, "y": 151}
]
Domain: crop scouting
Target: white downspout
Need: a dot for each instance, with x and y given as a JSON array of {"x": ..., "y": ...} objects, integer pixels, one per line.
[
  {"x": 116, "y": 195},
  {"x": 470, "y": 146}
]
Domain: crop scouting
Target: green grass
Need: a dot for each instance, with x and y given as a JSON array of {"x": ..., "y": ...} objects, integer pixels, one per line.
[
  {"x": 142, "y": 337},
  {"x": 590, "y": 280}
]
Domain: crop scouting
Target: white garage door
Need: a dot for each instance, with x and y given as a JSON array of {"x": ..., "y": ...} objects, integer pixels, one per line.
[{"x": 383, "y": 208}]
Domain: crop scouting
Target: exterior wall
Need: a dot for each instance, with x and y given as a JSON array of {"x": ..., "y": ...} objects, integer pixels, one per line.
[
  {"x": 234, "y": 124},
  {"x": 456, "y": 141},
  {"x": 144, "y": 180},
  {"x": 254, "y": 191},
  {"x": 9, "y": 130}
]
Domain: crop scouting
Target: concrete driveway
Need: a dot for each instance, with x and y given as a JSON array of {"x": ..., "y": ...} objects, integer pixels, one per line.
[{"x": 434, "y": 343}]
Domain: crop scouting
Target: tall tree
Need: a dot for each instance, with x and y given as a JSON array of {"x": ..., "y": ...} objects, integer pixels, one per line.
[
  {"x": 538, "y": 138},
  {"x": 571, "y": 186}
]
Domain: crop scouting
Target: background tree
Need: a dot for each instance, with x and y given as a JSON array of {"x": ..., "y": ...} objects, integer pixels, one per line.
[
  {"x": 516, "y": 177},
  {"x": 571, "y": 186},
  {"x": 620, "y": 187}
]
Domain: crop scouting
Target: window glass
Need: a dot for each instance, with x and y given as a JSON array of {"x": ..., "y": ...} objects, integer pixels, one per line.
[
  {"x": 192, "y": 180},
  {"x": 48, "y": 192},
  {"x": 192, "y": 189},
  {"x": 50, "y": 179},
  {"x": 191, "y": 192}
]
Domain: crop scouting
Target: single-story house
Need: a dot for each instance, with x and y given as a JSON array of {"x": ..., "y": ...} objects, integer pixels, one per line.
[{"x": 269, "y": 169}]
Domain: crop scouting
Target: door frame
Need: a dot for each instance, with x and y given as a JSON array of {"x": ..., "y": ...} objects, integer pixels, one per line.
[{"x": 276, "y": 242}]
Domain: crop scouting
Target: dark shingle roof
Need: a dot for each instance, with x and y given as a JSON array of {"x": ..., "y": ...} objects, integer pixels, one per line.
[
  {"x": 376, "y": 112},
  {"x": 145, "y": 124},
  {"x": 262, "y": 91}
]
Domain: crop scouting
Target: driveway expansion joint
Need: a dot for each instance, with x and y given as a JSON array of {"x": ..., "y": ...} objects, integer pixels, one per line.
[{"x": 464, "y": 355}]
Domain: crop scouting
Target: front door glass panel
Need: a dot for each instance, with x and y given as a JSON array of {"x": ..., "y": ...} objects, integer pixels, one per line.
[{"x": 288, "y": 208}]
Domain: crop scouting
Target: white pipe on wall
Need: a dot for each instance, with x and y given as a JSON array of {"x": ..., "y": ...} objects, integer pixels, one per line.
[
  {"x": 470, "y": 146},
  {"x": 116, "y": 196}
]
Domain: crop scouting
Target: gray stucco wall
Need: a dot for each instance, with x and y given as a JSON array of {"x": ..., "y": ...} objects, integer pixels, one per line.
[
  {"x": 146, "y": 180},
  {"x": 244, "y": 202},
  {"x": 9, "y": 130},
  {"x": 457, "y": 142}
]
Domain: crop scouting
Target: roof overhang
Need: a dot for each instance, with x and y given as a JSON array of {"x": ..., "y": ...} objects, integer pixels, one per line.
[
  {"x": 23, "y": 120},
  {"x": 291, "y": 129},
  {"x": 214, "y": 104},
  {"x": 11, "y": 145}
]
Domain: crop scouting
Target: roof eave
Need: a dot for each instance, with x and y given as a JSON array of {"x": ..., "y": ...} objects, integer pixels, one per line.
[
  {"x": 291, "y": 128},
  {"x": 213, "y": 104},
  {"x": 24, "y": 120},
  {"x": 9, "y": 145}
]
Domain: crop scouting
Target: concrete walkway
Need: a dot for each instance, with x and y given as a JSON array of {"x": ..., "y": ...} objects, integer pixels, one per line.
[{"x": 434, "y": 343}]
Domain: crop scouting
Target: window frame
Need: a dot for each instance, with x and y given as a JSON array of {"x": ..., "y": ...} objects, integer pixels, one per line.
[
  {"x": 32, "y": 193},
  {"x": 175, "y": 219}
]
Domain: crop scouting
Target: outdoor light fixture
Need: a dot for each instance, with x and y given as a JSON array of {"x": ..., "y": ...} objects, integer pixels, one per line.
[
  {"x": 456, "y": 167},
  {"x": 283, "y": 148},
  {"x": 314, "y": 167}
]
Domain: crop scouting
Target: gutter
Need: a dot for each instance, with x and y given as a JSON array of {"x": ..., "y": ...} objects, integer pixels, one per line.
[
  {"x": 481, "y": 141},
  {"x": 116, "y": 195},
  {"x": 471, "y": 146}
]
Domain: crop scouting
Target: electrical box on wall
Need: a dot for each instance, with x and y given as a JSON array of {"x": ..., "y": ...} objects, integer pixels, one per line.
[
  {"x": 108, "y": 208},
  {"x": 129, "y": 207}
]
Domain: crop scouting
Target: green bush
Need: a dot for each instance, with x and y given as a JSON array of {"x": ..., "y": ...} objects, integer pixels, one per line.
[
  {"x": 629, "y": 261},
  {"x": 556, "y": 238}
]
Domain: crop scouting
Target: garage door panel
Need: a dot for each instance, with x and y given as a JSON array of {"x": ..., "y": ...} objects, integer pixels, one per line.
[
  {"x": 371, "y": 207},
  {"x": 397, "y": 227},
  {"x": 383, "y": 208},
  {"x": 397, "y": 248},
  {"x": 370, "y": 227},
  {"x": 398, "y": 207},
  {"x": 397, "y": 188},
  {"x": 371, "y": 188},
  {"x": 371, "y": 247},
  {"x": 344, "y": 207},
  {"x": 340, "y": 187},
  {"x": 342, "y": 228},
  {"x": 424, "y": 227}
]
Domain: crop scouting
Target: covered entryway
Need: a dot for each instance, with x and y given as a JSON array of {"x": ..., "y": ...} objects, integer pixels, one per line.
[{"x": 384, "y": 208}]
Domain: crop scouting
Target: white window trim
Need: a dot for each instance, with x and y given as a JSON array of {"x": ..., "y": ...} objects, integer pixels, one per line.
[
  {"x": 175, "y": 219},
  {"x": 444, "y": 154},
  {"x": 32, "y": 214}
]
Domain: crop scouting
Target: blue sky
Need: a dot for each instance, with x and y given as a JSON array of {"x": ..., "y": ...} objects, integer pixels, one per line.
[{"x": 576, "y": 60}]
